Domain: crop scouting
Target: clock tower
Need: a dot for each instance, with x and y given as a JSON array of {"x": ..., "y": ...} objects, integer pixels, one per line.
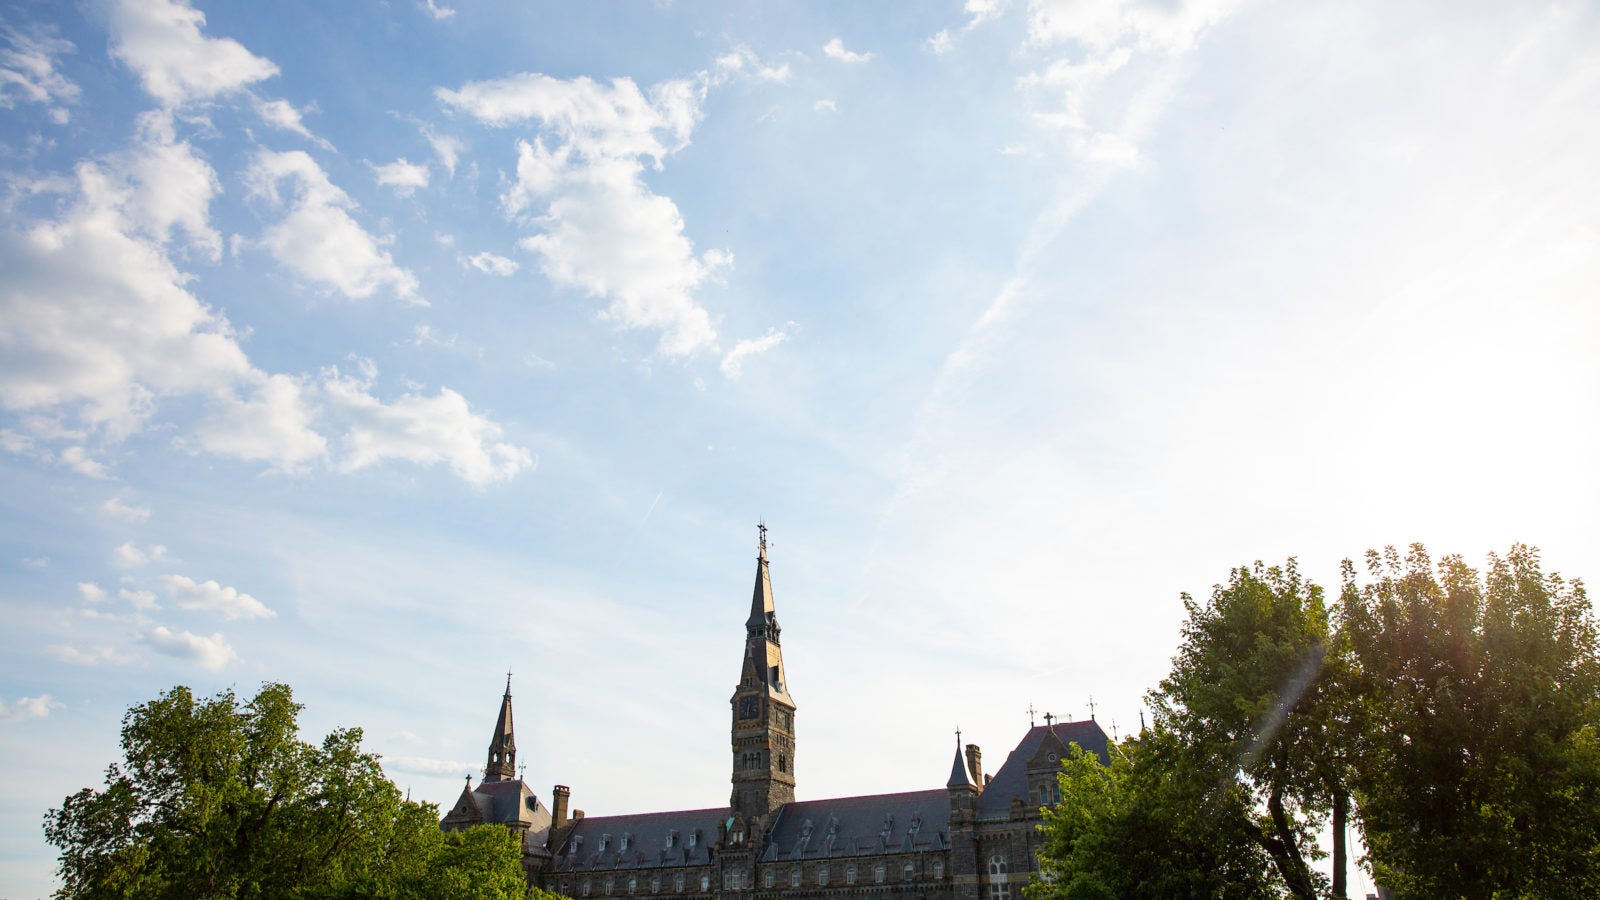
[{"x": 763, "y": 712}]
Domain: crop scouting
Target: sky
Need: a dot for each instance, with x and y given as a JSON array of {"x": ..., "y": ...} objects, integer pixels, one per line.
[{"x": 382, "y": 348}]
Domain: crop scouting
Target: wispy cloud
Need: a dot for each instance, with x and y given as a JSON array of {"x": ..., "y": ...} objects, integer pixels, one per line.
[
  {"x": 208, "y": 652},
  {"x": 24, "y": 708},
  {"x": 211, "y": 597},
  {"x": 835, "y": 49}
]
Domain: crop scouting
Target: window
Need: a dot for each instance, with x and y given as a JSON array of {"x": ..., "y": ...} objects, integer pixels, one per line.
[
  {"x": 694, "y": 838},
  {"x": 794, "y": 877},
  {"x": 672, "y": 838},
  {"x": 586, "y": 887},
  {"x": 626, "y": 839},
  {"x": 997, "y": 864},
  {"x": 677, "y": 883},
  {"x": 909, "y": 872},
  {"x": 655, "y": 884},
  {"x": 633, "y": 885},
  {"x": 938, "y": 869},
  {"x": 767, "y": 878},
  {"x": 609, "y": 886},
  {"x": 999, "y": 892},
  {"x": 604, "y": 840},
  {"x": 705, "y": 882},
  {"x": 822, "y": 876},
  {"x": 877, "y": 873},
  {"x": 850, "y": 874}
]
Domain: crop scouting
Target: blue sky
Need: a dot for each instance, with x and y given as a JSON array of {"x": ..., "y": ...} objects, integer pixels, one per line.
[{"x": 378, "y": 348}]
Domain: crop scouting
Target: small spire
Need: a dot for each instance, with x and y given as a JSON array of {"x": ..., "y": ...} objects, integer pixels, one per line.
[{"x": 958, "y": 770}]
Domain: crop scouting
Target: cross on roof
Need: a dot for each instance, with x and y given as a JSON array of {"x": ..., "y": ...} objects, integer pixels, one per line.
[
  {"x": 1049, "y": 720},
  {"x": 1030, "y": 715},
  {"x": 761, "y": 526}
]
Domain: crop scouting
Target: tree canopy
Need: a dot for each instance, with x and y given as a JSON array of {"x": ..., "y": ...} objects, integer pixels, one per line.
[
  {"x": 1454, "y": 714},
  {"x": 218, "y": 799}
]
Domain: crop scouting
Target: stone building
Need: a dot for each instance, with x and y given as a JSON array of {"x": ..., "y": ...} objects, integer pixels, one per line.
[{"x": 972, "y": 839}]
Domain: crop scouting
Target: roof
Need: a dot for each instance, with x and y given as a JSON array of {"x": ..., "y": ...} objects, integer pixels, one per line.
[
  {"x": 1011, "y": 781},
  {"x": 859, "y": 826},
  {"x": 654, "y": 840},
  {"x": 958, "y": 773},
  {"x": 503, "y": 802}
]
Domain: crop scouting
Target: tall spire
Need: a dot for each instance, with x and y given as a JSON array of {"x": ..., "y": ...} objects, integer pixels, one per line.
[
  {"x": 763, "y": 621},
  {"x": 502, "y": 765}
]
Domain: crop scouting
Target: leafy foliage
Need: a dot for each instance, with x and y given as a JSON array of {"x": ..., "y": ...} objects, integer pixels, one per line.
[
  {"x": 1479, "y": 767},
  {"x": 218, "y": 800},
  {"x": 1151, "y": 824}
]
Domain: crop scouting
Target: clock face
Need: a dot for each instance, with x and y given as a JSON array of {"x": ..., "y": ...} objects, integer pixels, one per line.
[{"x": 748, "y": 707}]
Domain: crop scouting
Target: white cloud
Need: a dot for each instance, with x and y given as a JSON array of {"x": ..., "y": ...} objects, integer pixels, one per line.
[
  {"x": 95, "y": 320},
  {"x": 161, "y": 41},
  {"x": 36, "y": 562},
  {"x": 87, "y": 656},
  {"x": 405, "y": 737},
  {"x": 835, "y": 49},
  {"x": 212, "y": 652},
  {"x": 282, "y": 115},
  {"x": 78, "y": 460},
  {"x": 489, "y": 264},
  {"x": 209, "y": 596},
  {"x": 417, "y": 765},
  {"x": 438, "y": 12},
  {"x": 27, "y": 708},
  {"x": 447, "y": 148},
  {"x": 420, "y": 429},
  {"x": 603, "y": 230},
  {"x": 941, "y": 42},
  {"x": 741, "y": 61},
  {"x": 733, "y": 362},
  {"x": 825, "y": 106},
  {"x": 140, "y": 600},
  {"x": 129, "y": 555},
  {"x": 28, "y": 72},
  {"x": 403, "y": 176},
  {"x": 1102, "y": 24},
  {"x": 115, "y": 508},
  {"x": 317, "y": 239},
  {"x": 91, "y": 592},
  {"x": 980, "y": 11},
  {"x": 274, "y": 425}
]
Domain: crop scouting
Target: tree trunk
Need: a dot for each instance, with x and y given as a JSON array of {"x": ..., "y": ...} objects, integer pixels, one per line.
[{"x": 1341, "y": 810}]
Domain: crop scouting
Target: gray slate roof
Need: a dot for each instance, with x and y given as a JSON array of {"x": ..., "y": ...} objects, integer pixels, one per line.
[
  {"x": 858, "y": 826},
  {"x": 1012, "y": 779},
  {"x": 648, "y": 837}
]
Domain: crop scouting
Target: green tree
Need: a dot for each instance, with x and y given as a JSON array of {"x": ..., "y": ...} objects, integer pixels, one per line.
[
  {"x": 1149, "y": 824},
  {"x": 1255, "y": 696},
  {"x": 215, "y": 799},
  {"x": 1478, "y": 771}
]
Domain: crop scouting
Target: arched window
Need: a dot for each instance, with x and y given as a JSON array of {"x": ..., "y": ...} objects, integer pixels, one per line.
[
  {"x": 633, "y": 885},
  {"x": 585, "y": 889},
  {"x": 877, "y": 873},
  {"x": 850, "y": 874},
  {"x": 908, "y": 872},
  {"x": 677, "y": 883},
  {"x": 705, "y": 883},
  {"x": 794, "y": 877},
  {"x": 609, "y": 885},
  {"x": 997, "y": 864},
  {"x": 767, "y": 878},
  {"x": 822, "y": 876},
  {"x": 938, "y": 869},
  {"x": 655, "y": 884}
]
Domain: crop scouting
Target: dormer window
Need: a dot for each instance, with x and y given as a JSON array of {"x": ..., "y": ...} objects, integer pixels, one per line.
[
  {"x": 672, "y": 839},
  {"x": 694, "y": 838},
  {"x": 626, "y": 839},
  {"x": 604, "y": 840}
]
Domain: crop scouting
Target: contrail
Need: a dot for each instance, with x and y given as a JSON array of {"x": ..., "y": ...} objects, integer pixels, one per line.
[{"x": 652, "y": 508}]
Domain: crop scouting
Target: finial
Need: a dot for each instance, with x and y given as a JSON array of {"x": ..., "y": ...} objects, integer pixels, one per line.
[
  {"x": 469, "y": 779},
  {"x": 1030, "y": 715},
  {"x": 958, "y": 737},
  {"x": 761, "y": 526},
  {"x": 1091, "y": 707},
  {"x": 1049, "y": 720},
  {"x": 508, "y": 680},
  {"x": 522, "y": 771}
]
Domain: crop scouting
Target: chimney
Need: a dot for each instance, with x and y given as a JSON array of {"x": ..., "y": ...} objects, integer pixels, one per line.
[
  {"x": 975, "y": 764},
  {"x": 558, "y": 796}
]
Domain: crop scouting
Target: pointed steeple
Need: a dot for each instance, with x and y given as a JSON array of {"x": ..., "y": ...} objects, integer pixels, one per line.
[
  {"x": 763, "y": 621},
  {"x": 958, "y": 772},
  {"x": 502, "y": 765}
]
